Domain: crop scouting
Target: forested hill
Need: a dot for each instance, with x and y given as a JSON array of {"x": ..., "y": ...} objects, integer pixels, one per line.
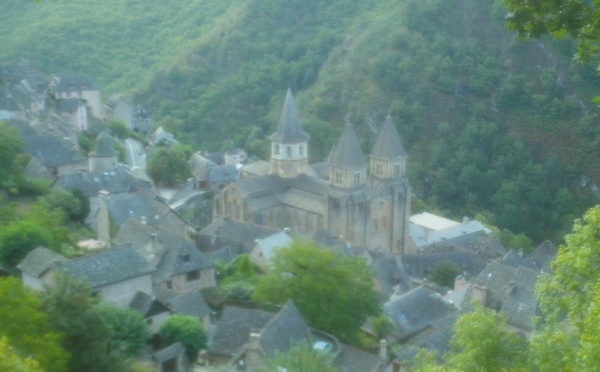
[{"x": 492, "y": 125}]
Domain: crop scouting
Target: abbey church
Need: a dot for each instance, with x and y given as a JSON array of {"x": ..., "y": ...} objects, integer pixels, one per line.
[{"x": 363, "y": 202}]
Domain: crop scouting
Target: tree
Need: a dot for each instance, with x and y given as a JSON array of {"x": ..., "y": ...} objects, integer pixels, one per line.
[
  {"x": 72, "y": 310},
  {"x": 10, "y": 147},
  {"x": 129, "y": 332},
  {"x": 533, "y": 18},
  {"x": 25, "y": 330},
  {"x": 481, "y": 342},
  {"x": 332, "y": 292},
  {"x": 11, "y": 360},
  {"x": 18, "y": 239},
  {"x": 168, "y": 167},
  {"x": 444, "y": 273},
  {"x": 300, "y": 358},
  {"x": 187, "y": 330},
  {"x": 67, "y": 201},
  {"x": 118, "y": 128},
  {"x": 569, "y": 300}
]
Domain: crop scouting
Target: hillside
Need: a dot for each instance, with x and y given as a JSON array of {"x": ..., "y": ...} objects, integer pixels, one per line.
[{"x": 493, "y": 125}]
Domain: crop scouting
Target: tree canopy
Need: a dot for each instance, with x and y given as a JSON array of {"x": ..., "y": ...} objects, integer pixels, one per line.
[
  {"x": 333, "y": 293},
  {"x": 187, "y": 330},
  {"x": 72, "y": 310},
  {"x": 570, "y": 301},
  {"x": 300, "y": 358},
  {"x": 128, "y": 328},
  {"x": 168, "y": 166},
  {"x": 27, "y": 331},
  {"x": 10, "y": 147}
]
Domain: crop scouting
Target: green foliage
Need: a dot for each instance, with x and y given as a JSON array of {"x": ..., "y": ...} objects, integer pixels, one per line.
[
  {"x": 18, "y": 239},
  {"x": 27, "y": 330},
  {"x": 481, "y": 342},
  {"x": 300, "y": 358},
  {"x": 187, "y": 330},
  {"x": 570, "y": 302},
  {"x": 128, "y": 328},
  {"x": 240, "y": 290},
  {"x": 333, "y": 293},
  {"x": 168, "y": 167},
  {"x": 68, "y": 202},
  {"x": 382, "y": 326},
  {"x": 84, "y": 203},
  {"x": 118, "y": 128},
  {"x": 444, "y": 273},
  {"x": 10, "y": 147},
  {"x": 72, "y": 310},
  {"x": 11, "y": 360}
]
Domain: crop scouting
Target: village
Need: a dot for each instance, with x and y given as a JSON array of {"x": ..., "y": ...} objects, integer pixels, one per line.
[{"x": 160, "y": 250}]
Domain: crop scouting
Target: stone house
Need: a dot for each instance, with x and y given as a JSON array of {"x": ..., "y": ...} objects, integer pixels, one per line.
[
  {"x": 78, "y": 86},
  {"x": 36, "y": 267},
  {"x": 117, "y": 107},
  {"x": 264, "y": 249},
  {"x": 116, "y": 274},
  {"x": 153, "y": 310},
  {"x": 74, "y": 111},
  {"x": 368, "y": 210}
]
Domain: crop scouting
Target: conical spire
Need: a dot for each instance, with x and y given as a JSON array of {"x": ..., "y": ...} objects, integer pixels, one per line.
[
  {"x": 347, "y": 152},
  {"x": 388, "y": 144},
  {"x": 104, "y": 146},
  {"x": 289, "y": 129}
]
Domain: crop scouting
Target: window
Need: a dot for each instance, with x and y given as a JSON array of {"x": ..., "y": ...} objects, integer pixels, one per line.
[
  {"x": 379, "y": 169},
  {"x": 338, "y": 177},
  {"x": 186, "y": 258},
  {"x": 375, "y": 225},
  {"x": 396, "y": 169},
  {"x": 383, "y": 223},
  {"x": 192, "y": 275},
  {"x": 289, "y": 151},
  {"x": 356, "y": 178},
  {"x": 301, "y": 150},
  {"x": 276, "y": 149}
]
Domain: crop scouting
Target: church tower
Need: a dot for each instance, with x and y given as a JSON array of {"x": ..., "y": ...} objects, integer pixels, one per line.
[
  {"x": 348, "y": 195},
  {"x": 289, "y": 144},
  {"x": 390, "y": 185}
]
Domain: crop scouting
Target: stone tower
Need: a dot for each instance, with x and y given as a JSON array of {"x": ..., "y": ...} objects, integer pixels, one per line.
[
  {"x": 348, "y": 195},
  {"x": 103, "y": 156},
  {"x": 289, "y": 144},
  {"x": 390, "y": 184}
]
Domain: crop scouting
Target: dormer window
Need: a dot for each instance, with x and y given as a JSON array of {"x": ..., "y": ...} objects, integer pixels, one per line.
[{"x": 186, "y": 258}]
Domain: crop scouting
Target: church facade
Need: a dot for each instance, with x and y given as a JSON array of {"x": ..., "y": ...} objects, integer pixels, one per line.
[{"x": 362, "y": 201}]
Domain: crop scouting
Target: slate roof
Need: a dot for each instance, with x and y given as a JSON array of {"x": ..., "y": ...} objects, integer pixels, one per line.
[
  {"x": 223, "y": 173},
  {"x": 415, "y": 310},
  {"x": 235, "y": 231},
  {"x": 161, "y": 135},
  {"x": 512, "y": 258},
  {"x": 289, "y": 129},
  {"x": 465, "y": 233},
  {"x": 115, "y": 180},
  {"x": 233, "y": 330},
  {"x": 432, "y": 222},
  {"x": 543, "y": 253},
  {"x": 391, "y": 275},
  {"x": 510, "y": 290},
  {"x": 346, "y": 152},
  {"x": 351, "y": 359},
  {"x": 108, "y": 266},
  {"x": 284, "y": 330},
  {"x": 261, "y": 185},
  {"x": 147, "y": 305},
  {"x": 268, "y": 244},
  {"x": 257, "y": 168},
  {"x": 190, "y": 303},
  {"x": 200, "y": 166},
  {"x": 50, "y": 150},
  {"x": 74, "y": 82},
  {"x": 173, "y": 262},
  {"x": 388, "y": 144},
  {"x": 69, "y": 104},
  {"x": 418, "y": 265},
  {"x": 104, "y": 146},
  {"x": 169, "y": 352},
  {"x": 38, "y": 261},
  {"x": 139, "y": 204}
]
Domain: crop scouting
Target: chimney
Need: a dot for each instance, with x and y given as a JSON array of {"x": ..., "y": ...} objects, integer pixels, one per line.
[
  {"x": 383, "y": 350},
  {"x": 480, "y": 293},
  {"x": 459, "y": 281}
]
